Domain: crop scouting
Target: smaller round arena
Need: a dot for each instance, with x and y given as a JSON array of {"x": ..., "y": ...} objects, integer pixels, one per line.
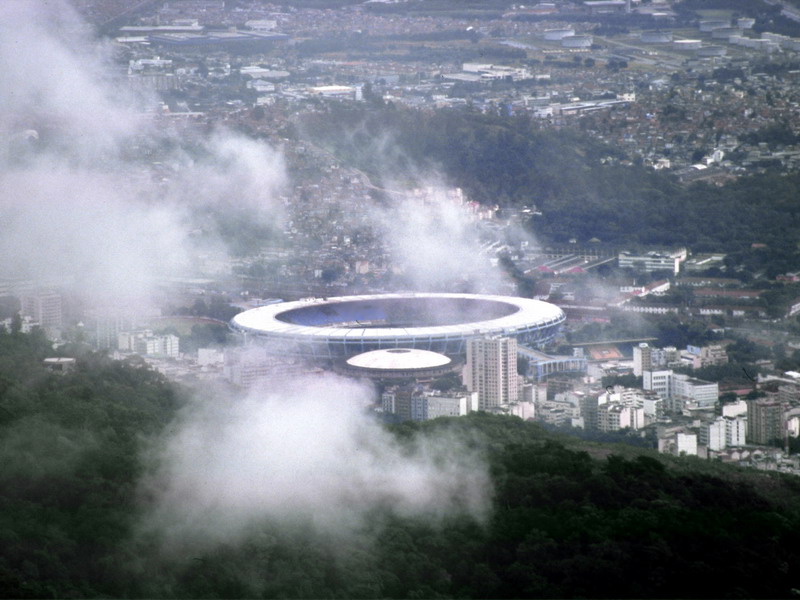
[{"x": 398, "y": 363}]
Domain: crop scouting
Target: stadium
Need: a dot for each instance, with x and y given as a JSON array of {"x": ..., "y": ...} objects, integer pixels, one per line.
[{"x": 337, "y": 328}]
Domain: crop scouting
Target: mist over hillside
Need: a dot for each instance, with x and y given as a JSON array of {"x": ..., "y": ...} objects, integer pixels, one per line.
[{"x": 513, "y": 162}]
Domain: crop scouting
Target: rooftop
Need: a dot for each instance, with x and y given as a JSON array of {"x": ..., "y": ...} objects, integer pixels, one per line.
[{"x": 395, "y": 359}]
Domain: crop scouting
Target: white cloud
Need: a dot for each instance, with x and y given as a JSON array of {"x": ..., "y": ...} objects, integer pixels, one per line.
[
  {"x": 309, "y": 452},
  {"x": 434, "y": 239},
  {"x": 77, "y": 199}
]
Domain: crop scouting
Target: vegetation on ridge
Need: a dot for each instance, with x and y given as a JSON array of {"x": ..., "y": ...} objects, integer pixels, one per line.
[
  {"x": 569, "y": 518},
  {"x": 511, "y": 162}
]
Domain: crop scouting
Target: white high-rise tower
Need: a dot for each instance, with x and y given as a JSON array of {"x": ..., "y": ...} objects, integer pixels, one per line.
[
  {"x": 44, "y": 307},
  {"x": 491, "y": 370}
]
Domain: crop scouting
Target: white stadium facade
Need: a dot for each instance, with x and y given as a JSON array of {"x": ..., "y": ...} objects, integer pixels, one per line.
[{"x": 342, "y": 327}]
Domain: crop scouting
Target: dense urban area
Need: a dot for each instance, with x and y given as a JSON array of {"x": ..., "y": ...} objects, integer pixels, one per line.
[{"x": 635, "y": 163}]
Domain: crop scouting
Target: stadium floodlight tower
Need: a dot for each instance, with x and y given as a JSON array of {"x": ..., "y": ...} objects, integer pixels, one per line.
[{"x": 339, "y": 328}]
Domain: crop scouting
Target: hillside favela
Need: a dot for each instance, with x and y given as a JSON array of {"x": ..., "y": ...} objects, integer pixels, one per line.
[{"x": 400, "y": 299}]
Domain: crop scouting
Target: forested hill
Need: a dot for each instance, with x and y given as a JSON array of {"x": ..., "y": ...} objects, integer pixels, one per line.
[
  {"x": 577, "y": 182},
  {"x": 568, "y": 519},
  {"x": 69, "y": 463}
]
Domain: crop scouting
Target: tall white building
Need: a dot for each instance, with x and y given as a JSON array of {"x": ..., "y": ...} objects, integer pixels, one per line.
[
  {"x": 657, "y": 381},
  {"x": 735, "y": 431},
  {"x": 491, "y": 371},
  {"x": 642, "y": 359},
  {"x": 44, "y": 308},
  {"x": 766, "y": 423},
  {"x": 713, "y": 434}
]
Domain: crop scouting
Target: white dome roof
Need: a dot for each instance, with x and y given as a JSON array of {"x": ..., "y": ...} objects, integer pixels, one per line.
[{"x": 397, "y": 359}]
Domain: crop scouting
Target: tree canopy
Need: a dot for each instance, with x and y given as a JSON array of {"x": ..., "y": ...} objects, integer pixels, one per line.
[
  {"x": 569, "y": 518},
  {"x": 583, "y": 188}
]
